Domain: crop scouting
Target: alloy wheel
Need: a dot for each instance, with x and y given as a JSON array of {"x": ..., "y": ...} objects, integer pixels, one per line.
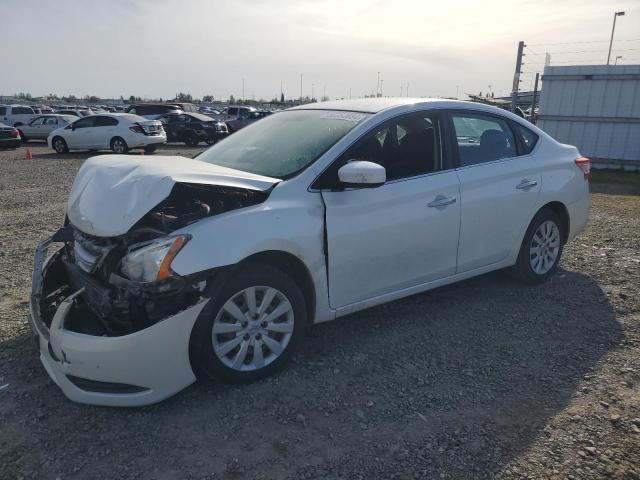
[
  {"x": 253, "y": 328},
  {"x": 118, "y": 146},
  {"x": 544, "y": 248},
  {"x": 59, "y": 145}
]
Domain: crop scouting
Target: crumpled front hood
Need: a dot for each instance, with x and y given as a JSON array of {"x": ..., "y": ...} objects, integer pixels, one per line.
[{"x": 111, "y": 193}]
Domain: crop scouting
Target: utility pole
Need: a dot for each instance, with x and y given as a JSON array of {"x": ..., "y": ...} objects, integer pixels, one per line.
[
  {"x": 615, "y": 15},
  {"x": 381, "y": 83},
  {"x": 535, "y": 100},
  {"x": 618, "y": 57},
  {"x": 516, "y": 76},
  {"x": 280, "y": 88}
]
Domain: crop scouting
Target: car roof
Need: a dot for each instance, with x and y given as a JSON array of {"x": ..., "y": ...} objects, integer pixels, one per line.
[{"x": 376, "y": 105}]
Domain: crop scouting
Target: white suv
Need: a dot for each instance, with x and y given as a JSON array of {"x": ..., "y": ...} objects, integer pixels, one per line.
[
  {"x": 119, "y": 132},
  {"x": 173, "y": 267}
]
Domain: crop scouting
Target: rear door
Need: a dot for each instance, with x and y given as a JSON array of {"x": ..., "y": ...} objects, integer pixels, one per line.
[
  {"x": 499, "y": 187},
  {"x": 49, "y": 125},
  {"x": 403, "y": 233},
  {"x": 103, "y": 130}
]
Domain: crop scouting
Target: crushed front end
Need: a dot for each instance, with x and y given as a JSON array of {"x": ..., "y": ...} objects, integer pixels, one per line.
[{"x": 104, "y": 339}]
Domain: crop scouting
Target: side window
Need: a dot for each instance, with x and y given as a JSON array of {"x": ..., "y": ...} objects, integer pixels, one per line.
[
  {"x": 104, "y": 122},
  {"x": 405, "y": 147},
  {"x": 232, "y": 111},
  {"x": 133, "y": 110},
  {"x": 482, "y": 138},
  {"x": 23, "y": 110},
  {"x": 37, "y": 121},
  {"x": 51, "y": 121},
  {"x": 3, "y": 110},
  {"x": 85, "y": 122},
  {"x": 529, "y": 139}
]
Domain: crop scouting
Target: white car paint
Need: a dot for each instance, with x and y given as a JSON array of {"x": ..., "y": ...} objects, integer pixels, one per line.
[
  {"x": 131, "y": 187},
  {"x": 382, "y": 243},
  {"x": 78, "y": 137},
  {"x": 16, "y": 115}
]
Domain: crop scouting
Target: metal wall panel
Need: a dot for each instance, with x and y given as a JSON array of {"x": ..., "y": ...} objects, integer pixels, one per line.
[{"x": 597, "y": 109}]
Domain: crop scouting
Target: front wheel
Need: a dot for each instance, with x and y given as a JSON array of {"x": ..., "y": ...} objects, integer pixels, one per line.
[
  {"x": 191, "y": 141},
  {"x": 59, "y": 145},
  {"x": 250, "y": 329},
  {"x": 118, "y": 145},
  {"x": 541, "y": 248}
]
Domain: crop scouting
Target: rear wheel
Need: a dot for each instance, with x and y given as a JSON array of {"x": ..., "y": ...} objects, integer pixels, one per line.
[
  {"x": 541, "y": 248},
  {"x": 211, "y": 141},
  {"x": 250, "y": 329},
  {"x": 118, "y": 145},
  {"x": 150, "y": 149},
  {"x": 191, "y": 141},
  {"x": 59, "y": 145}
]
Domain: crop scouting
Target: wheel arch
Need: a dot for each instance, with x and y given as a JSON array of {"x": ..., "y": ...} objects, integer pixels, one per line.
[
  {"x": 559, "y": 209},
  {"x": 292, "y": 265}
]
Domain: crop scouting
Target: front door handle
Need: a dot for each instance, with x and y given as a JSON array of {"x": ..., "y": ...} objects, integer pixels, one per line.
[
  {"x": 526, "y": 184},
  {"x": 442, "y": 201}
]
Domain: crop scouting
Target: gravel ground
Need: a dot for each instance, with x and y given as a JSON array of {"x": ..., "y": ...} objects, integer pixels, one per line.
[{"x": 483, "y": 379}]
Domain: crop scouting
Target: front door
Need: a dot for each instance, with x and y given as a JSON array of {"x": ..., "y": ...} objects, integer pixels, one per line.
[{"x": 403, "y": 233}]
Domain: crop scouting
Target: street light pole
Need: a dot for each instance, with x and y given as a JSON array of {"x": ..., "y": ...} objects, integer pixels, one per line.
[
  {"x": 619, "y": 57},
  {"x": 613, "y": 29}
]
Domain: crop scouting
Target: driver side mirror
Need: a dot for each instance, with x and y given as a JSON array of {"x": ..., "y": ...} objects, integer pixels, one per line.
[{"x": 362, "y": 174}]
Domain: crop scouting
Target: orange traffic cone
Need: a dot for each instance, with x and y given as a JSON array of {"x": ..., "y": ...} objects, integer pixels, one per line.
[{"x": 27, "y": 155}]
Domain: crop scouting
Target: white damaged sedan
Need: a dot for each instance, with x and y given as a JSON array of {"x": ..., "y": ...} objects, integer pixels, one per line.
[{"x": 168, "y": 269}]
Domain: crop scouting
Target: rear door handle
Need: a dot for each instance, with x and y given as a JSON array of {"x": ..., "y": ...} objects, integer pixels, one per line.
[
  {"x": 526, "y": 184},
  {"x": 442, "y": 201}
]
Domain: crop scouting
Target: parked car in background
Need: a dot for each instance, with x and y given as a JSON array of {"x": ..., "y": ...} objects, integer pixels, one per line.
[
  {"x": 216, "y": 265},
  {"x": 41, "y": 126},
  {"x": 16, "y": 115},
  {"x": 9, "y": 137},
  {"x": 238, "y": 117},
  {"x": 193, "y": 128},
  {"x": 77, "y": 112},
  {"x": 119, "y": 132},
  {"x": 153, "y": 110},
  {"x": 185, "y": 107}
]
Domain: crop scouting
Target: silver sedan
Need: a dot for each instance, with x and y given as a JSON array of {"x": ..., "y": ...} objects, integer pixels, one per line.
[{"x": 40, "y": 127}]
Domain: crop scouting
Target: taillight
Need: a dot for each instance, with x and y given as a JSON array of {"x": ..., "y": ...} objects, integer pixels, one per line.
[
  {"x": 14, "y": 133},
  {"x": 584, "y": 164},
  {"x": 136, "y": 129}
]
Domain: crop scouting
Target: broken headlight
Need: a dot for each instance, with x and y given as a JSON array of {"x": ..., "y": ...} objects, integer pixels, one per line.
[{"x": 151, "y": 262}]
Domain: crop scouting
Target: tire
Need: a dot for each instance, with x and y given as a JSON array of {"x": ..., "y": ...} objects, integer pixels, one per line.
[
  {"x": 543, "y": 236},
  {"x": 208, "y": 347},
  {"x": 119, "y": 146},
  {"x": 191, "y": 141},
  {"x": 59, "y": 145},
  {"x": 211, "y": 141},
  {"x": 149, "y": 149}
]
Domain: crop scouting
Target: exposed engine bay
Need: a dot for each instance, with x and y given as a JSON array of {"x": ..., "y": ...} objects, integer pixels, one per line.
[{"x": 112, "y": 304}]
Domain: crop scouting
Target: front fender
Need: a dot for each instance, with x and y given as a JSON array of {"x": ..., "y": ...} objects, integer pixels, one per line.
[{"x": 226, "y": 239}]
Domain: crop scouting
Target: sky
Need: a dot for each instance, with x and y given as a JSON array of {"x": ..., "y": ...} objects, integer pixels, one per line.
[{"x": 155, "y": 48}]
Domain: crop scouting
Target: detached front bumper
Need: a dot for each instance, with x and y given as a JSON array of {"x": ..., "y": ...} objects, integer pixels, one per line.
[{"x": 141, "y": 368}]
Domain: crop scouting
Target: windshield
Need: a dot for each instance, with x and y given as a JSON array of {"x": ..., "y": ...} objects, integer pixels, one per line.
[{"x": 283, "y": 144}]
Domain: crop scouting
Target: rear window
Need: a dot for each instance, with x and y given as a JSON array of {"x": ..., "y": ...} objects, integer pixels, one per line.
[{"x": 529, "y": 139}]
